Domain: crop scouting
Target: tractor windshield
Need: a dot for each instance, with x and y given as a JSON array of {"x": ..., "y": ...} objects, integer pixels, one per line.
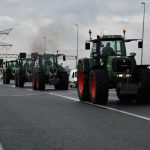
[
  {"x": 111, "y": 47},
  {"x": 49, "y": 60},
  {"x": 11, "y": 64},
  {"x": 27, "y": 63}
]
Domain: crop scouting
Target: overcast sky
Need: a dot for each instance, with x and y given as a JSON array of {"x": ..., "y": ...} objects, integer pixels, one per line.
[{"x": 31, "y": 20}]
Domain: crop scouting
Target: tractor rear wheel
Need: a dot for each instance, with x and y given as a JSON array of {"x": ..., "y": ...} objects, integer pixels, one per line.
[
  {"x": 98, "y": 85},
  {"x": 34, "y": 82},
  {"x": 82, "y": 83},
  {"x": 143, "y": 93},
  {"x": 16, "y": 81},
  {"x": 20, "y": 79},
  {"x": 40, "y": 81},
  {"x": 63, "y": 81}
]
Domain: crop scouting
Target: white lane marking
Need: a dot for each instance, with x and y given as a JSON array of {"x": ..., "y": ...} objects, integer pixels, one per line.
[
  {"x": 105, "y": 107},
  {"x": 19, "y": 95},
  {"x": 121, "y": 111},
  {"x": 1, "y": 147},
  {"x": 70, "y": 98},
  {"x": 30, "y": 90}
]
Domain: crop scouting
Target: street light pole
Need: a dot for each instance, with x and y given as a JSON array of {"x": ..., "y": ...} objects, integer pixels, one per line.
[
  {"x": 77, "y": 45},
  {"x": 143, "y": 3},
  {"x": 44, "y": 43}
]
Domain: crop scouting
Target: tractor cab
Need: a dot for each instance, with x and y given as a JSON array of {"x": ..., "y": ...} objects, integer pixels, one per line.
[
  {"x": 9, "y": 69},
  {"x": 46, "y": 60},
  {"x": 107, "y": 45},
  {"x": 49, "y": 60}
]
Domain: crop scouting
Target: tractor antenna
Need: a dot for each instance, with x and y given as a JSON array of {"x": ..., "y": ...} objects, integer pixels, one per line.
[
  {"x": 90, "y": 32},
  {"x": 124, "y": 32}
]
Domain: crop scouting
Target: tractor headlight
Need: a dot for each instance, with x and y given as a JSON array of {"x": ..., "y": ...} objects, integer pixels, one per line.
[
  {"x": 120, "y": 75},
  {"x": 123, "y": 75},
  {"x": 128, "y": 75}
]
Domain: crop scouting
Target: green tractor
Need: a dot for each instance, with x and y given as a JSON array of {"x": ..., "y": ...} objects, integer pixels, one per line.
[
  {"x": 48, "y": 71},
  {"x": 9, "y": 71},
  {"x": 24, "y": 70},
  {"x": 109, "y": 67}
]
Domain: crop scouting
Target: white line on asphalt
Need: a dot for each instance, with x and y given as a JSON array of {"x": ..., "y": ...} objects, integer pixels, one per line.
[
  {"x": 71, "y": 98},
  {"x": 30, "y": 90},
  {"x": 1, "y": 147},
  {"x": 120, "y": 111},
  {"x": 19, "y": 95},
  {"x": 105, "y": 107}
]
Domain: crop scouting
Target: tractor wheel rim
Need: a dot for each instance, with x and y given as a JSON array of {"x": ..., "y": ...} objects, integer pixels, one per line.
[
  {"x": 92, "y": 86},
  {"x": 80, "y": 81}
]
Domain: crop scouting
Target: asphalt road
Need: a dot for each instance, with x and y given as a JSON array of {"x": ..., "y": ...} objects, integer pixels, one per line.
[{"x": 57, "y": 120}]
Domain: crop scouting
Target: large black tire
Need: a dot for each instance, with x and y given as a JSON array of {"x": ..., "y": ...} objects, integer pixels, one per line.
[
  {"x": 20, "y": 79},
  {"x": 143, "y": 93},
  {"x": 34, "y": 86},
  {"x": 16, "y": 81},
  {"x": 98, "y": 85},
  {"x": 63, "y": 82},
  {"x": 4, "y": 82},
  {"x": 6, "y": 78},
  {"x": 40, "y": 81},
  {"x": 83, "y": 83}
]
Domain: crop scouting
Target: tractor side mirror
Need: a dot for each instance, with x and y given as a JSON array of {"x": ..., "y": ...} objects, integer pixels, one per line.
[
  {"x": 64, "y": 57},
  {"x": 22, "y": 55},
  {"x": 34, "y": 55},
  {"x": 87, "y": 46},
  {"x": 140, "y": 44},
  {"x": 132, "y": 54}
]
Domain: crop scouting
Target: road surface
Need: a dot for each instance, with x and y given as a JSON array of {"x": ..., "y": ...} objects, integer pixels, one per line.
[{"x": 57, "y": 120}]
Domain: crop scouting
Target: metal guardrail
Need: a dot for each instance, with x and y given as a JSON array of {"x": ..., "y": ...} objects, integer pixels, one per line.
[
  {"x": 8, "y": 56},
  {"x": 68, "y": 57}
]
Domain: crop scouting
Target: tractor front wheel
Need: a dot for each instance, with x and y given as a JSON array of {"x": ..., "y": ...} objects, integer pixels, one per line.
[
  {"x": 98, "y": 85},
  {"x": 40, "y": 81},
  {"x": 6, "y": 78},
  {"x": 82, "y": 83},
  {"x": 63, "y": 81},
  {"x": 16, "y": 81}
]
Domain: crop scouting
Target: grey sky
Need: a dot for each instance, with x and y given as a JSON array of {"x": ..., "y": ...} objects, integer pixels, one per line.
[{"x": 33, "y": 19}]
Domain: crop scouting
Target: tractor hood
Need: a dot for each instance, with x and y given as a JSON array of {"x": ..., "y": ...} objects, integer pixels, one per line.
[{"x": 119, "y": 64}]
